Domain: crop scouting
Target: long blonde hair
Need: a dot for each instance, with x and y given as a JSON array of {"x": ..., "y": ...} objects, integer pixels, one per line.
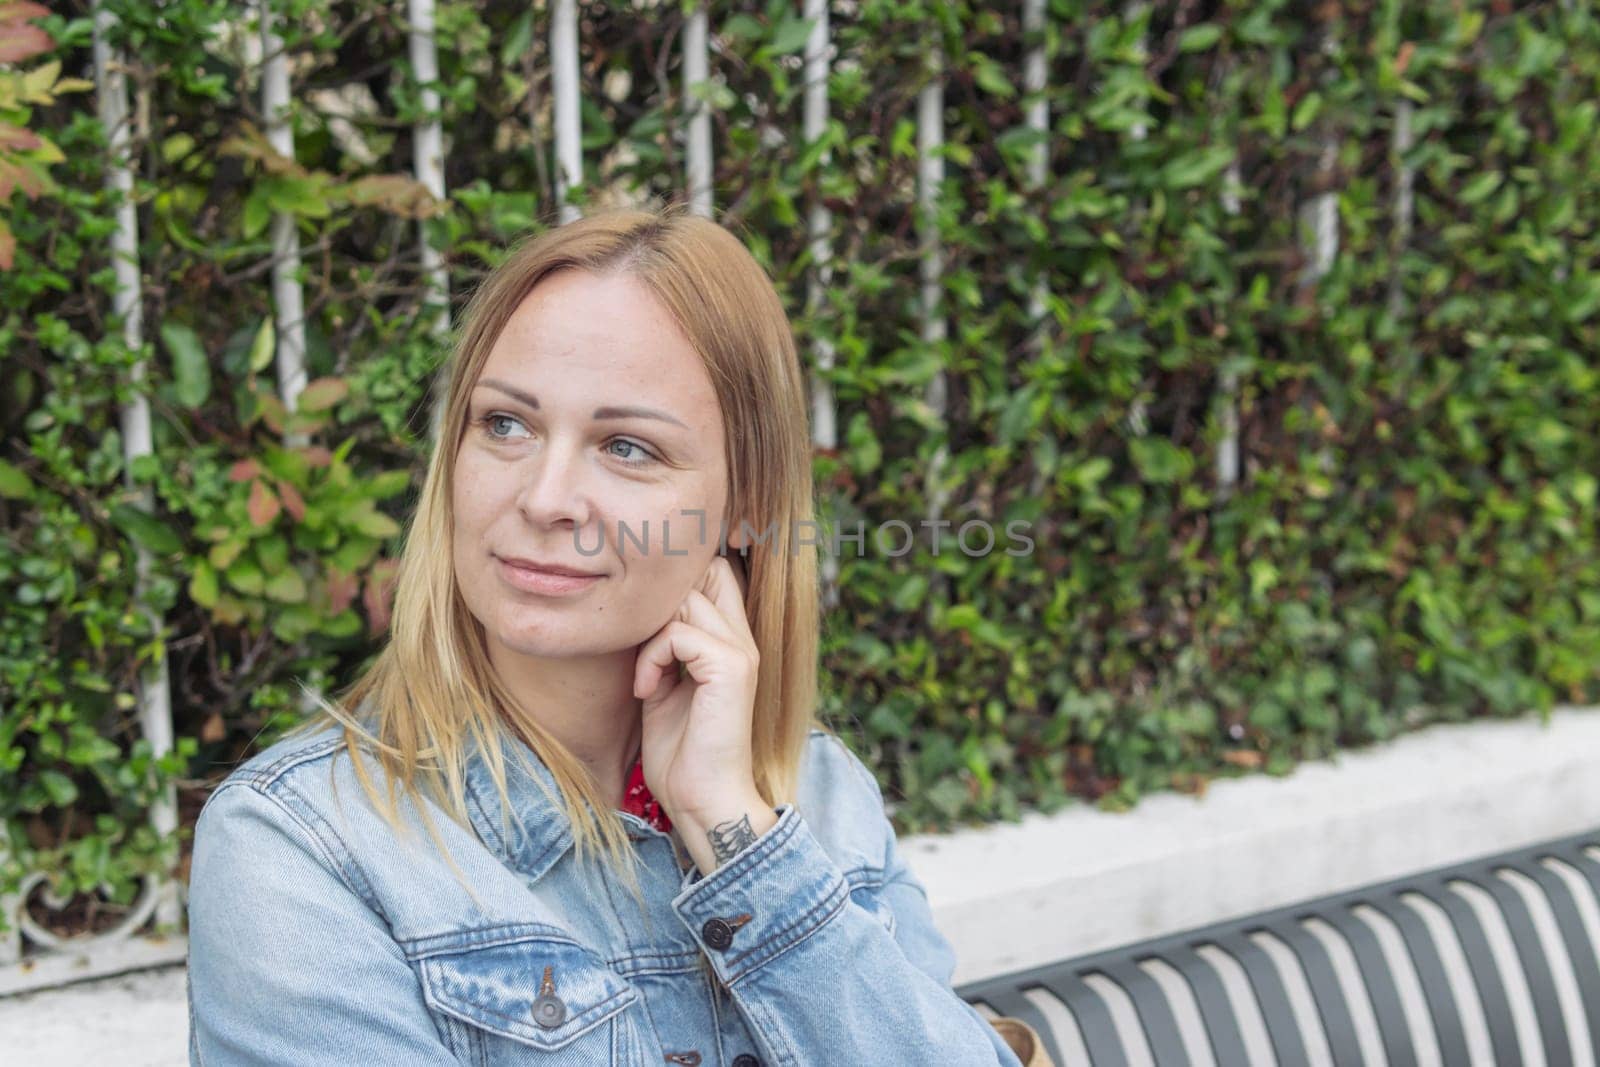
[{"x": 431, "y": 687}]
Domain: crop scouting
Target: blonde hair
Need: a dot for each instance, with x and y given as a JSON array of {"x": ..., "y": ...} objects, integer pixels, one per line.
[{"x": 431, "y": 686}]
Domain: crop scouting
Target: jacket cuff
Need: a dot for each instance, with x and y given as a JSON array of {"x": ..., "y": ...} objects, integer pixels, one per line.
[{"x": 770, "y": 897}]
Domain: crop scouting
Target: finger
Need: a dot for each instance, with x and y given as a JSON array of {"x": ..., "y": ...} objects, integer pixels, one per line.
[
  {"x": 698, "y": 610},
  {"x": 721, "y": 587},
  {"x": 706, "y": 658}
]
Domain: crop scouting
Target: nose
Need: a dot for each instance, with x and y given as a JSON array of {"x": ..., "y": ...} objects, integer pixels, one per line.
[{"x": 554, "y": 493}]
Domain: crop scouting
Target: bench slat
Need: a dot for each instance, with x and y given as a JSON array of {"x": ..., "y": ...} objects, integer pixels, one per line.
[
  {"x": 1337, "y": 1023},
  {"x": 1155, "y": 1014},
  {"x": 1585, "y": 963},
  {"x": 1216, "y": 1011},
  {"x": 1535, "y": 965},
  {"x": 1424, "y": 953},
  {"x": 1099, "y": 1031},
  {"x": 1376, "y": 976},
  {"x": 1485, "y": 972},
  {"x": 1271, "y": 995}
]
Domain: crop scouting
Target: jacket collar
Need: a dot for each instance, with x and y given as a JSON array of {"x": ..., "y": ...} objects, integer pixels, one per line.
[{"x": 545, "y": 833}]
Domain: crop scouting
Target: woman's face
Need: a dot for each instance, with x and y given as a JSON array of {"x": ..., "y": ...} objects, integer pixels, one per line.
[{"x": 593, "y": 413}]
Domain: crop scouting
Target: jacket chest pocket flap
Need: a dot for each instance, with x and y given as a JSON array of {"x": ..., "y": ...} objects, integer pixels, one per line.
[{"x": 498, "y": 987}]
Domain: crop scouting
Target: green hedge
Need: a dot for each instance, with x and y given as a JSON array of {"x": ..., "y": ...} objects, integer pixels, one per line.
[{"x": 1412, "y": 538}]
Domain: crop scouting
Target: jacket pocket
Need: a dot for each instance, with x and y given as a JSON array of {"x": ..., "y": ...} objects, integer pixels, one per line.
[{"x": 496, "y": 983}]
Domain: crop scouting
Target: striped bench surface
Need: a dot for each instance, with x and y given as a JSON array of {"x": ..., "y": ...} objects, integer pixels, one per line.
[{"x": 1495, "y": 961}]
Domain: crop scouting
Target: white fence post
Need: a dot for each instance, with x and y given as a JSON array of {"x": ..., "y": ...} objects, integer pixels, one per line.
[
  {"x": 1228, "y": 382},
  {"x": 1138, "y": 414},
  {"x": 287, "y": 298},
  {"x": 155, "y": 695},
  {"x": 564, "y": 93},
  {"x": 930, "y": 175},
  {"x": 1036, "y": 118},
  {"x": 695, "y": 73},
  {"x": 1404, "y": 200},
  {"x": 427, "y": 153},
  {"x": 819, "y": 231}
]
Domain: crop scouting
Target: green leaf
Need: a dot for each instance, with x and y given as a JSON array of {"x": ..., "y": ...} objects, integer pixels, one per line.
[
  {"x": 14, "y": 482},
  {"x": 865, "y": 452},
  {"x": 1199, "y": 38},
  {"x": 1305, "y": 112},
  {"x": 991, "y": 79},
  {"x": 63, "y": 790},
  {"x": 191, "y": 370},
  {"x": 146, "y": 530},
  {"x": 741, "y": 27},
  {"x": 388, "y": 484},
  {"x": 1196, "y": 168},
  {"x": 790, "y": 36},
  {"x": 262, "y": 348},
  {"x": 246, "y": 577},
  {"x": 377, "y": 524},
  {"x": 1159, "y": 460},
  {"x": 203, "y": 585},
  {"x": 1479, "y": 188},
  {"x": 286, "y": 586},
  {"x": 354, "y": 554},
  {"x": 517, "y": 41}
]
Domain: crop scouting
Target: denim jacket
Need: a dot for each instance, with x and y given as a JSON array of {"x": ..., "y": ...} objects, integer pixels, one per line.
[{"x": 319, "y": 936}]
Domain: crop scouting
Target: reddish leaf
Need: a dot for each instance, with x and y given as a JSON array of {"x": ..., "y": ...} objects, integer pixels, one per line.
[
  {"x": 316, "y": 455},
  {"x": 15, "y": 137},
  {"x": 244, "y": 470},
  {"x": 323, "y": 394},
  {"x": 19, "y": 41},
  {"x": 271, "y": 411},
  {"x": 398, "y": 194},
  {"x": 19, "y": 10},
  {"x": 342, "y": 589},
  {"x": 293, "y": 502},
  {"x": 8, "y": 247},
  {"x": 213, "y": 729},
  {"x": 263, "y": 507},
  {"x": 16, "y": 176},
  {"x": 1402, "y": 59}
]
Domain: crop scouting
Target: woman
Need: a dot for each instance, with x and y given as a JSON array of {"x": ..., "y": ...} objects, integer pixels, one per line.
[{"x": 649, "y": 853}]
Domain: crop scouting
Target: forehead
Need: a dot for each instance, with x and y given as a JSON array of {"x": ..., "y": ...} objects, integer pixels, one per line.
[{"x": 580, "y": 336}]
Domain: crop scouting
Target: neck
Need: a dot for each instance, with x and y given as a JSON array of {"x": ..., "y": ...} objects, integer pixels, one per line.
[{"x": 586, "y": 703}]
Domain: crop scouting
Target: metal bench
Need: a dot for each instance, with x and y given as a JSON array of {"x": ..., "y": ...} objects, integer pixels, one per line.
[{"x": 1490, "y": 961}]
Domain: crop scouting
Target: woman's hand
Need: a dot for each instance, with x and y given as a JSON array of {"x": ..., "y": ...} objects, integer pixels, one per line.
[{"x": 696, "y": 745}]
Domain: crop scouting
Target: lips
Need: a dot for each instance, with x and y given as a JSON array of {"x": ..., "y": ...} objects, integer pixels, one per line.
[{"x": 548, "y": 568}]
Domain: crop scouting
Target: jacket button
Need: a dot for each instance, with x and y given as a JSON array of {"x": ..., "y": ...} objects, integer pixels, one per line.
[
  {"x": 549, "y": 1011},
  {"x": 744, "y": 1059},
  {"x": 717, "y": 933}
]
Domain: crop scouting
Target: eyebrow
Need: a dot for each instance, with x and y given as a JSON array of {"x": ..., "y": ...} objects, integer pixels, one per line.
[{"x": 613, "y": 412}]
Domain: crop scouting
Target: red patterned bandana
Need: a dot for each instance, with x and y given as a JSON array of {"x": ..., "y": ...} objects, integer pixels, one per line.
[{"x": 636, "y": 800}]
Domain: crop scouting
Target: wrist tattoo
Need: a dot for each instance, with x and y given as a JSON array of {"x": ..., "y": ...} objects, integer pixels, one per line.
[{"x": 729, "y": 838}]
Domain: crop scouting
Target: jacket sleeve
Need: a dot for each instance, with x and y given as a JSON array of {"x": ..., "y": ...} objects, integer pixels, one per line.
[
  {"x": 820, "y": 978},
  {"x": 287, "y": 963}
]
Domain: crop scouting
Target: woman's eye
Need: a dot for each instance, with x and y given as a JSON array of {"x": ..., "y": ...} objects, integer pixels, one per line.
[
  {"x": 494, "y": 421},
  {"x": 638, "y": 456}
]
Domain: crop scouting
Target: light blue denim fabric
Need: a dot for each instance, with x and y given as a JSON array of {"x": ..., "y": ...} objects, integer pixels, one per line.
[{"x": 319, "y": 936}]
